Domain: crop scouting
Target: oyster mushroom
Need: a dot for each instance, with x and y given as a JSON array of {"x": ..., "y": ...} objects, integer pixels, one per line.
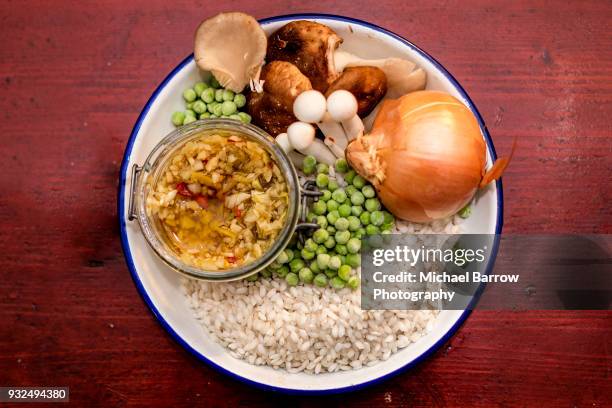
[
  {"x": 233, "y": 63},
  {"x": 367, "y": 84},
  {"x": 309, "y": 46},
  {"x": 272, "y": 110}
]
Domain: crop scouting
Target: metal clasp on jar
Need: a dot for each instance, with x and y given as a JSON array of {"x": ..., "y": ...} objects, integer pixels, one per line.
[
  {"x": 309, "y": 189},
  {"x": 136, "y": 169}
]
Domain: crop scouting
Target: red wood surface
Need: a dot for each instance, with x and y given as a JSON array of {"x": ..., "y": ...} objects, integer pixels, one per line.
[{"x": 73, "y": 78}]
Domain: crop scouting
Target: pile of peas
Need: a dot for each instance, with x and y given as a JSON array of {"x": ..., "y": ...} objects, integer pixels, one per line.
[
  {"x": 345, "y": 214},
  {"x": 210, "y": 100}
]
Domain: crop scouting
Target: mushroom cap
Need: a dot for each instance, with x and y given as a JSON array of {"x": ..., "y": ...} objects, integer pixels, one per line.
[
  {"x": 232, "y": 46},
  {"x": 283, "y": 141},
  {"x": 341, "y": 105},
  {"x": 300, "y": 135},
  {"x": 309, "y": 106},
  {"x": 367, "y": 84},
  {"x": 308, "y": 45},
  {"x": 272, "y": 109}
]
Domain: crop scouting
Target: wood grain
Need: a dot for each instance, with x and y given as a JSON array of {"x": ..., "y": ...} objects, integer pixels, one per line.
[{"x": 73, "y": 78}]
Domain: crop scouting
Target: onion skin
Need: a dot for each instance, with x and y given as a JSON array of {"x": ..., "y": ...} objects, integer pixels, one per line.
[{"x": 425, "y": 156}]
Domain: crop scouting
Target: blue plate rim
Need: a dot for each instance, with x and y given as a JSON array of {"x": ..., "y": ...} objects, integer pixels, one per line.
[{"x": 143, "y": 293}]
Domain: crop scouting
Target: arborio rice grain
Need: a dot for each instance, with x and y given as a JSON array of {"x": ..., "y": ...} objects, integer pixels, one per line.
[{"x": 306, "y": 328}]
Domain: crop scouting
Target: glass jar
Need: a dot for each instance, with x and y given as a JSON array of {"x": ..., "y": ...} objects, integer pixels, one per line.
[{"x": 155, "y": 164}]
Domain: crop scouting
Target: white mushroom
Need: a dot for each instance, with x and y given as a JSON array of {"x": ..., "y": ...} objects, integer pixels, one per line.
[
  {"x": 310, "y": 107},
  {"x": 302, "y": 138},
  {"x": 342, "y": 107},
  {"x": 402, "y": 75},
  {"x": 233, "y": 63},
  {"x": 283, "y": 141}
]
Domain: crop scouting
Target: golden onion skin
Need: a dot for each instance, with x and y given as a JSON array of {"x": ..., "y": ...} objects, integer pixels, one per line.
[{"x": 425, "y": 155}]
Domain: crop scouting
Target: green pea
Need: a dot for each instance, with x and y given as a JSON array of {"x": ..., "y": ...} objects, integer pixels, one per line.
[
  {"x": 310, "y": 161},
  {"x": 332, "y": 216},
  {"x": 332, "y": 205},
  {"x": 341, "y": 166},
  {"x": 330, "y": 273},
  {"x": 189, "y": 95},
  {"x": 341, "y": 224},
  {"x": 282, "y": 258},
  {"x": 332, "y": 185},
  {"x": 310, "y": 245},
  {"x": 375, "y": 241},
  {"x": 377, "y": 218},
  {"x": 322, "y": 180},
  {"x": 314, "y": 266},
  {"x": 266, "y": 273},
  {"x": 322, "y": 221},
  {"x": 356, "y": 210},
  {"x": 177, "y": 118},
  {"x": 199, "y": 107},
  {"x": 296, "y": 264},
  {"x": 365, "y": 218},
  {"x": 213, "y": 82},
  {"x": 240, "y": 100},
  {"x": 342, "y": 237},
  {"x": 353, "y": 245},
  {"x": 205, "y": 115},
  {"x": 320, "y": 236},
  {"x": 320, "y": 280},
  {"x": 349, "y": 176},
  {"x": 360, "y": 233},
  {"x": 244, "y": 117},
  {"x": 208, "y": 95},
  {"x": 228, "y": 95},
  {"x": 321, "y": 250},
  {"x": 357, "y": 198},
  {"x": 290, "y": 254},
  {"x": 350, "y": 190},
  {"x": 334, "y": 262},
  {"x": 466, "y": 211},
  {"x": 234, "y": 117},
  {"x": 218, "y": 109},
  {"x": 213, "y": 116},
  {"x": 354, "y": 260},
  {"x": 389, "y": 218},
  {"x": 306, "y": 275},
  {"x": 282, "y": 271},
  {"x": 274, "y": 265},
  {"x": 228, "y": 107},
  {"x": 319, "y": 208},
  {"x": 219, "y": 95},
  {"x": 326, "y": 195},
  {"x": 344, "y": 210},
  {"x": 253, "y": 277},
  {"x": 200, "y": 87},
  {"x": 368, "y": 191},
  {"x": 343, "y": 259},
  {"x": 311, "y": 216},
  {"x": 323, "y": 261},
  {"x": 372, "y": 204},
  {"x": 354, "y": 223},
  {"x": 291, "y": 279},
  {"x": 353, "y": 282},
  {"x": 359, "y": 181},
  {"x": 331, "y": 229},
  {"x": 387, "y": 228},
  {"x": 330, "y": 243},
  {"x": 307, "y": 254},
  {"x": 322, "y": 168},
  {"x": 344, "y": 272},
  {"x": 372, "y": 230},
  {"x": 188, "y": 119},
  {"x": 189, "y": 112},
  {"x": 337, "y": 283},
  {"x": 341, "y": 249},
  {"x": 189, "y": 105},
  {"x": 339, "y": 195}
]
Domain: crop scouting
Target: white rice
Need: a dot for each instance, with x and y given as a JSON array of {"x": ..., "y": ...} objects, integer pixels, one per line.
[{"x": 307, "y": 328}]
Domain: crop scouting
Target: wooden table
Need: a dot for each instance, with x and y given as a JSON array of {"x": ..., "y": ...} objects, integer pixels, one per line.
[{"x": 73, "y": 78}]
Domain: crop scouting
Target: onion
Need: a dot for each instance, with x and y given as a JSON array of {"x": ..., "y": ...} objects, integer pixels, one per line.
[{"x": 425, "y": 156}]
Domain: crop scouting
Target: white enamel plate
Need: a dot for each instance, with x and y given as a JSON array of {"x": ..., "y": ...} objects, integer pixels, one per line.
[{"x": 160, "y": 286}]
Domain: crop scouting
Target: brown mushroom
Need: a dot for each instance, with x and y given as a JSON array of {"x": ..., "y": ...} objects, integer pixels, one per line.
[
  {"x": 272, "y": 109},
  {"x": 368, "y": 84},
  {"x": 309, "y": 46}
]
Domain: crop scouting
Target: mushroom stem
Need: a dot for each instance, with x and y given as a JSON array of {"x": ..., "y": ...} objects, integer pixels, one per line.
[
  {"x": 319, "y": 150},
  {"x": 335, "y": 137},
  {"x": 353, "y": 127}
]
